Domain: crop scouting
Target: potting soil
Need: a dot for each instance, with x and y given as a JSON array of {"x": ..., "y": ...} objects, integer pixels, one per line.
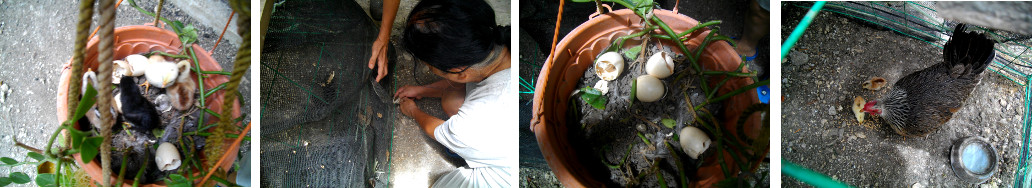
[
  {"x": 325, "y": 123},
  {"x": 611, "y": 134}
]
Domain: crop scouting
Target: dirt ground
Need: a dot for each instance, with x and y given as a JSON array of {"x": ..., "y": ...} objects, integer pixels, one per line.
[
  {"x": 819, "y": 132},
  {"x": 36, "y": 40},
  {"x": 615, "y": 129}
]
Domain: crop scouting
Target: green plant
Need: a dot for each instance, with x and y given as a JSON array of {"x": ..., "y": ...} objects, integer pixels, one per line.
[
  {"x": 81, "y": 143},
  {"x": 87, "y": 146},
  {"x": 742, "y": 154},
  {"x": 185, "y": 177}
]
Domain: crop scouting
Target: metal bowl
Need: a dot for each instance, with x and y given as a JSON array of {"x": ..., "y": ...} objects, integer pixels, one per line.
[{"x": 973, "y": 159}]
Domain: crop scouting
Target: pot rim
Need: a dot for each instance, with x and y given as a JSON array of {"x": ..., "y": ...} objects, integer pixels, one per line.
[
  {"x": 549, "y": 93},
  {"x": 135, "y": 36}
]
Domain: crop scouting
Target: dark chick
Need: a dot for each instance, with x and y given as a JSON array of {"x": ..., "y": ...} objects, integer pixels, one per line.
[
  {"x": 923, "y": 101},
  {"x": 135, "y": 108}
]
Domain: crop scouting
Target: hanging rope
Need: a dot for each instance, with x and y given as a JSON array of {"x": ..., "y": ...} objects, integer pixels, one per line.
[
  {"x": 157, "y": 13},
  {"x": 81, "y": 32},
  {"x": 240, "y": 66},
  {"x": 105, "y": 54},
  {"x": 243, "y": 59}
]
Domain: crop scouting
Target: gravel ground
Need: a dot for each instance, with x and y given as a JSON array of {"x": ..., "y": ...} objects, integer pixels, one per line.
[
  {"x": 819, "y": 132},
  {"x": 36, "y": 40}
]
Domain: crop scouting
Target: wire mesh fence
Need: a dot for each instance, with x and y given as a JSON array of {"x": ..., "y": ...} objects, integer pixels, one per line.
[
  {"x": 324, "y": 122},
  {"x": 918, "y": 20}
]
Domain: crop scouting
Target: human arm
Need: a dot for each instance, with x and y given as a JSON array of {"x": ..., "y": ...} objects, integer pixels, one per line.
[
  {"x": 426, "y": 122},
  {"x": 379, "y": 53},
  {"x": 434, "y": 90}
]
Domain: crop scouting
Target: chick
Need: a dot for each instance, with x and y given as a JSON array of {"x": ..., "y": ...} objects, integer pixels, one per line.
[
  {"x": 161, "y": 73},
  {"x": 136, "y": 109},
  {"x": 93, "y": 115},
  {"x": 182, "y": 93}
]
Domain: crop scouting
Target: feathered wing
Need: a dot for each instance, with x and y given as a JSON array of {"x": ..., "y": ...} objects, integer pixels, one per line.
[{"x": 968, "y": 53}]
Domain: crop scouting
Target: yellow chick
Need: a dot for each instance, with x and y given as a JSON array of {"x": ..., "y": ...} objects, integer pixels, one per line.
[{"x": 161, "y": 73}]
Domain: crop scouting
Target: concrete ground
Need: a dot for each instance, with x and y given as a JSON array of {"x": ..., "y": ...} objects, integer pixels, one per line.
[
  {"x": 36, "y": 40},
  {"x": 417, "y": 160}
]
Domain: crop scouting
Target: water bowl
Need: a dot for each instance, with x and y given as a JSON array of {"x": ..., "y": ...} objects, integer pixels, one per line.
[{"x": 973, "y": 159}]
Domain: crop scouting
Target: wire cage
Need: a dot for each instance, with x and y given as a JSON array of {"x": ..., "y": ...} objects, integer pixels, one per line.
[
  {"x": 324, "y": 124},
  {"x": 917, "y": 20}
]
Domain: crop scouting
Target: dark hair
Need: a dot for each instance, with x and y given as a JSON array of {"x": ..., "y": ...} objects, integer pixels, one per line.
[{"x": 452, "y": 33}]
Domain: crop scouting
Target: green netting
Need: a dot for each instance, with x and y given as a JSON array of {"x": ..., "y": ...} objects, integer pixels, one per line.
[
  {"x": 324, "y": 122},
  {"x": 917, "y": 20}
]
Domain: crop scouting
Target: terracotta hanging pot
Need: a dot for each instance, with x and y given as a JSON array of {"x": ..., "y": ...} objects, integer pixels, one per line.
[
  {"x": 141, "y": 39},
  {"x": 575, "y": 54}
]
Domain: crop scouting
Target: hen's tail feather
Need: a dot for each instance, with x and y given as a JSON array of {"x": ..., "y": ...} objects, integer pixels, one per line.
[{"x": 972, "y": 50}]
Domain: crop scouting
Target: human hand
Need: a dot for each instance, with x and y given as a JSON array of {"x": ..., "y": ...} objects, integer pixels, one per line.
[
  {"x": 408, "y": 107},
  {"x": 379, "y": 57},
  {"x": 410, "y": 91}
]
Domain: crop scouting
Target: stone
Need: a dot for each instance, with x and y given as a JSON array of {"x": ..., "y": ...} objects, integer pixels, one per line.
[{"x": 798, "y": 58}]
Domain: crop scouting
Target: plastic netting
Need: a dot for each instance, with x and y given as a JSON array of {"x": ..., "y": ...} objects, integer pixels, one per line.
[
  {"x": 324, "y": 122},
  {"x": 918, "y": 20}
]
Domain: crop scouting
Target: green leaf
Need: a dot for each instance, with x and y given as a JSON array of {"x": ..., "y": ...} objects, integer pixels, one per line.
[
  {"x": 176, "y": 180},
  {"x": 37, "y": 156},
  {"x": 9, "y": 161},
  {"x": 89, "y": 148},
  {"x": 188, "y": 35},
  {"x": 669, "y": 123},
  {"x": 20, "y": 178},
  {"x": 593, "y": 97},
  {"x": 634, "y": 91},
  {"x": 4, "y": 181},
  {"x": 632, "y": 53},
  {"x": 77, "y": 138},
  {"x": 644, "y": 6},
  {"x": 88, "y": 99},
  {"x": 46, "y": 180},
  {"x": 590, "y": 1}
]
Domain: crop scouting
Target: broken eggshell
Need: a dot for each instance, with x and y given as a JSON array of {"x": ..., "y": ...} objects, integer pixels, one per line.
[
  {"x": 609, "y": 66},
  {"x": 163, "y": 103},
  {"x": 121, "y": 68},
  {"x": 602, "y": 86},
  {"x": 858, "y": 105},
  {"x": 693, "y": 141},
  {"x": 167, "y": 157},
  {"x": 136, "y": 64},
  {"x": 660, "y": 65},
  {"x": 649, "y": 88},
  {"x": 875, "y": 83}
]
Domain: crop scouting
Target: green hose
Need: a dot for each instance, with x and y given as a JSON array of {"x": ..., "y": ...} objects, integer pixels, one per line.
[
  {"x": 808, "y": 176},
  {"x": 798, "y": 32}
]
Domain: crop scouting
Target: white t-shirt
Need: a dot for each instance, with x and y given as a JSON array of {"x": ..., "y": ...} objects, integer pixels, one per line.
[{"x": 484, "y": 132}]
